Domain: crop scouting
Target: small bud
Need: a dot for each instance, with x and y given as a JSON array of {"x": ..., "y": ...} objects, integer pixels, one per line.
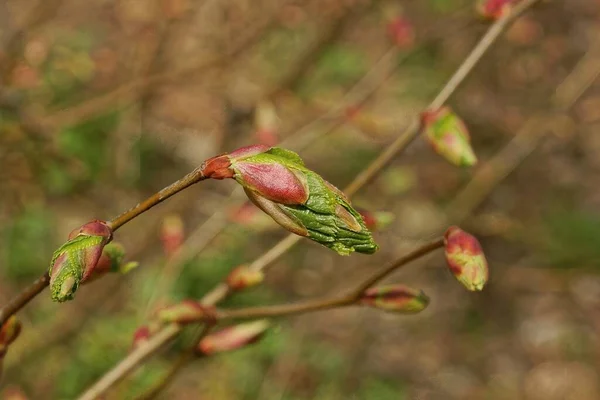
[
  {"x": 300, "y": 200},
  {"x": 401, "y": 32},
  {"x": 493, "y": 9},
  {"x": 185, "y": 312},
  {"x": 465, "y": 258},
  {"x": 172, "y": 234},
  {"x": 266, "y": 123},
  {"x": 9, "y": 332},
  {"x": 233, "y": 337},
  {"x": 377, "y": 220},
  {"x": 395, "y": 298},
  {"x": 448, "y": 136},
  {"x": 74, "y": 262},
  {"x": 243, "y": 277},
  {"x": 144, "y": 333},
  {"x": 399, "y": 28}
]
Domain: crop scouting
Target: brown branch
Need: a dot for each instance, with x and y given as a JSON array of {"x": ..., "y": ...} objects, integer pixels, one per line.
[
  {"x": 29, "y": 293},
  {"x": 130, "y": 362}
]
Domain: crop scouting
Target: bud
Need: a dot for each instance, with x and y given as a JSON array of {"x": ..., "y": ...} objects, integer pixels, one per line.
[
  {"x": 465, "y": 258},
  {"x": 377, "y": 220},
  {"x": 399, "y": 28},
  {"x": 144, "y": 333},
  {"x": 233, "y": 337},
  {"x": 9, "y": 332},
  {"x": 74, "y": 262},
  {"x": 401, "y": 32},
  {"x": 493, "y": 9},
  {"x": 243, "y": 277},
  {"x": 448, "y": 136},
  {"x": 172, "y": 234},
  {"x": 265, "y": 123},
  {"x": 185, "y": 312},
  {"x": 395, "y": 298},
  {"x": 298, "y": 199}
]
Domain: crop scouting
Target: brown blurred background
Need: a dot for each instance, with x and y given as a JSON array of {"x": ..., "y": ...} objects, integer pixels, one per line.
[{"x": 104, "y": 102}]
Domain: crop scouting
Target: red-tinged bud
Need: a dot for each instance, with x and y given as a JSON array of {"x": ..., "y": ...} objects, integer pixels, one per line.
[
  {"x": 266, "y": 123},
  {"x": 144, "y": 333},
  {"x": 377, "y": 220},
  {"x": 74, "y": 262},
  {"x": 395, "y": 298},
  {"x": 402, "y": 32},
  {"x": 233, "y": 337},
  {"x": 493, "y": 9},
  {"x": 465, "y": 258},
  {"x": 273, "y": 181},
  {"x": 448, "y": 135},
  {"x": 243, "y": 277},
  {"x": 9, "y": 332},
  {"x": 185, "y": 312},
  {"x": 172, "y": 234}
]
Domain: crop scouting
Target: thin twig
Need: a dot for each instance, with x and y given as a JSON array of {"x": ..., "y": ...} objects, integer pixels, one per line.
[
  {"x": 29, "y": 293},
  {"x": 129, "y": 362}
]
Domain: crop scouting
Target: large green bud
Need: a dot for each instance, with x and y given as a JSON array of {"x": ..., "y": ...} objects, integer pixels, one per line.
[{"x": 298, "y": 199}]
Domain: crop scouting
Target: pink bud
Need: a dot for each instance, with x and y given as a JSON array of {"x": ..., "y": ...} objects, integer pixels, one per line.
[
  {"x": 233, "y": 337},
  {"x": 448, "y": 135},
  {"x": 185, "y": 312},
  {"x": 395, "y": 298},
  {"x": 248, "y": 151},
  {"x": 243, "y": 277},
  {"x": 493, "y": 9},
  {"x": 172, "y": 234},
  {"x": 272, "y": 181},
  {"x": 376, "y": 220},
  {"x": 144, "y": 333},
  {"x": 465, "y": 258},
  {"x": 265, "y": 123},
  {"x": 401, "y": 32}
]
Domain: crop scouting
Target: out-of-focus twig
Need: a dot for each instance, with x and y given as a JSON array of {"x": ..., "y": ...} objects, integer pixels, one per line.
[
  {"x": 130, "y": 362},
  {"x": 129, "y": 91}
]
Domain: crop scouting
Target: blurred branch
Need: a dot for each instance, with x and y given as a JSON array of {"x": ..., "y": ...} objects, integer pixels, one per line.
[
  {"x": 43, "y": 11},
  {"x": 131, "y": 361},
  {"x": 348, "y": 299},
  {"x": 29, "y": 293},
  {"x": 527, "y": 139},
  {"x": 130, "y": 91}
]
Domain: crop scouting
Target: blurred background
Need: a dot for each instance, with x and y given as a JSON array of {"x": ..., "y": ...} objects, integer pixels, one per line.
[{"x": 104, "y": 102}]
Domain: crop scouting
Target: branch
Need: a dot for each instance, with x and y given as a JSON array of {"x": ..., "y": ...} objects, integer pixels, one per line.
[
  {"x": 29, "y": 293},
  {"x": 130, "y": 362}
]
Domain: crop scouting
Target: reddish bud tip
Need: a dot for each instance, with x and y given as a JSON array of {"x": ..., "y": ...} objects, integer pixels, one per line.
[
  {"x": 172, "y": 234},
  {"x": 185, "y": 312},
  {"x": 243, "y": 277},
  {"x": 465, "y": 258},
  {"x": 395, "y": 298},
  {"x": 217, "y": 167},
  {"x": 93, "y": 228},
  {"x": 493, "y": 9},
  {"x": 401, "y": 32},
  {"x": 376, "y": 220},
  {"x": 143, "y": 334},
  {"x": 233, "y": 337}
]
